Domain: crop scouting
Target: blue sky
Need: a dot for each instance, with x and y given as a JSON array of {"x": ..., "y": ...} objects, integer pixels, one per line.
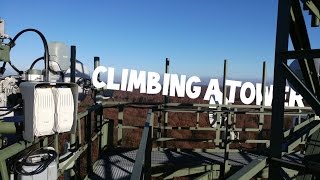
[{"x": 197, "y": 35}]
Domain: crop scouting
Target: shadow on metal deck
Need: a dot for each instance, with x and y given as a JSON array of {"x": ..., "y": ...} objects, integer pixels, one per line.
[{"x": 119, "y": 164}]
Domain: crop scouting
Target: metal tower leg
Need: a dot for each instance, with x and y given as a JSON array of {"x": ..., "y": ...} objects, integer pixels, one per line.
[{"x": 279, "y": 86}]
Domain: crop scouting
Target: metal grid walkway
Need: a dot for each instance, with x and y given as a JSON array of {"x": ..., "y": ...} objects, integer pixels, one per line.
[{"x": 119, "y": 165}]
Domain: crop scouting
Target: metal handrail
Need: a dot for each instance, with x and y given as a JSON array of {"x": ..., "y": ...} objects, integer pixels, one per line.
[{"x": 142, "y": 165}]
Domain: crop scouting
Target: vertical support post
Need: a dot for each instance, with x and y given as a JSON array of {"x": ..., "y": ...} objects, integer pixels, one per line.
[
  {"x": 79, "y": 131},
  {"x": 166, "y": 101},
  {"x": 89, "y": 142},
  {"x": 261, "y": 115},
  {"x": 165, "y": 127},
  {"x": 263, "y": 92},
  {"x": 98, "y": 119},
  {"x": 104, "y": 136},
  {"x": 282, "y": 39},
  {"x": 234, "y": 117},
  {"x": 263, "y": 89},
  {"x": 225, "y": 144},
  {"x": 159, "y": 126},
  {"x": 97, "y": 100},
  {"x": 224, "y": 93},
  {"x": 228, "y": 125},
  {"x": 217, "y": 129},
  {"x": 73, "y": 64},
  {"x": 151, "y": 123},
  {"x": 73, "y": 145},
  {"x": 166, "y": 98},
  {"x": 198, "y": 117},
  {"x": 73, "y": 136},
  {"x": 120, "y": 121},
  {"x": 78, "y": 142},
  {"x": 225, "y": 166},
  {"x": 147, "y": 160},
  {"x": 110, "y": 133},
  {"x": 224, "y": 102},
  {"x": 96, "y": 64},
  {"x": 102, "y": 128},
  {"x": 56, "y": 145},
  {"x": 73, "y": 59},
  {"x": 107, "y": 134}
]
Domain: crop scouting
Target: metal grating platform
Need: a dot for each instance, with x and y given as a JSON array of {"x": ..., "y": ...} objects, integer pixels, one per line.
[{"x": 119, "y": 164}]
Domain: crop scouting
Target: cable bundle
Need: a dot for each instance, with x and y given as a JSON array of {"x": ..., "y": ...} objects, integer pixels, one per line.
[{"x": 43, "y": 156}]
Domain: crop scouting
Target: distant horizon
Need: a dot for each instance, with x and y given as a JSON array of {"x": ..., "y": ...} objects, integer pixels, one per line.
[{"x": 204, "y": 79}]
